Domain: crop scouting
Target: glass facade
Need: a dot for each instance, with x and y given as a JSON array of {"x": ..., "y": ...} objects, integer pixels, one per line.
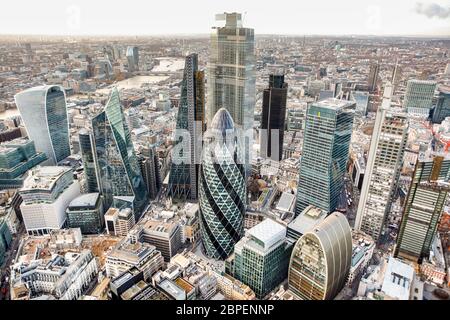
[
  {"x": 133, "y": 58},
  {"x": 321, "y": 260},
  {"x": 184, "y": 170},
  {"x": 118, "y": 165},
  {"x": 44, "y": 113},
  {"x": 231, "y": 76},
  {"x": 5, "y": 239},
  {"x": 16, "y": 158},
  {"x": 442, "y": 109},
  {"x": 149, "y": 162},
  {"x": 222, "y": 192},
  {"x": 423, "y": 209},
  {"x": 324, "y": 158},
  {"x": 419, "y": 97},
  {"x": 260, "y": 266},
  {"x": 89, "y": 160},
  {"x": 86, "y": 213},
  {"x": 273, "y": 118}
]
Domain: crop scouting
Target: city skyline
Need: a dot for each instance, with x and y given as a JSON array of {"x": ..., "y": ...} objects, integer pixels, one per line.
[
  {"x": 381, "y": 17},
  {"x": 229, "y": 168}
]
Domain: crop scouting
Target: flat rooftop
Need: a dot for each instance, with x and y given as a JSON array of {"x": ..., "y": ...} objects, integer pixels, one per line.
[
  {"x": 334, "y": 104},
  {"x": 88, "y": 200},
  {"x": 160, "y": 226},
  {"x": 307, "y": 219},
  {"x": 44, "y": 177},
  {"x": 397, "y": 279},
  {"x": 268, "y": 232}
]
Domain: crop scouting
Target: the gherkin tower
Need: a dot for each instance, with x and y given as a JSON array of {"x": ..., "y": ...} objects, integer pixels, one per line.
[{"x": 222, "y": 188}]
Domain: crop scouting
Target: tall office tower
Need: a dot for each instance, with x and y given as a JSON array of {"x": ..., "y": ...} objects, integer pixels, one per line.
[
  {"x": 149, "y": 162},
  {"x": 231, "y": 78},
  {"x": 88, "y": 156},
  {"x": 419, "y": 97},
  {"x": 118, "y": 166},
  {"x": 222, "y": 191},
  {"x": 133, "y": 58},
  {"x": 261, "y": 258},
  {"x": 186, "y": 154},
  {"x": 383, "y": 167},
  {"x": 321, "y": 260},
  {"x": 273, "y": 118},
  {"x": 424, "y": 206},
  {"x": 44, "y": 113},
  {"x": 442, "y": 109},
  {"x": 328, "y": 131},
  {"x": 373, "y": 76},
  {"x": 46, "y": 193}
]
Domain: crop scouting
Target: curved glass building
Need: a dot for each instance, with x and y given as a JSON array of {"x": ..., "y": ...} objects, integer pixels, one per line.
[
  {"x": 222, "y": 189},
  {"x": 44, "y": 113},
  {"x": 321, "y": 260},
  {"x": 118, "y": 166}
]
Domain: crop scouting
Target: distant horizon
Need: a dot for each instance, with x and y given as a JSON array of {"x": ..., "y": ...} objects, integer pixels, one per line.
[
  {"x": 206, "y": 35},
  {"x": 417, "y": 18}
]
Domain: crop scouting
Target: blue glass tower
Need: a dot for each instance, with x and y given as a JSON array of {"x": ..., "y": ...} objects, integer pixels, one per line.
[
  {"x": 326, "y": 144},
  {"x": 118, "y": 166}
]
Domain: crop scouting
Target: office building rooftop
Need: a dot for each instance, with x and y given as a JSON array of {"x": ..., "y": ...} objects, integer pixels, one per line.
[
  {"x": 267, "y": 233},
  {"x": 44, "y": 177}
]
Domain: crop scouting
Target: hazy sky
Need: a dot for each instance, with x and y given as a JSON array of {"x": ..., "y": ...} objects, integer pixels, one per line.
[{"x": 147, "y": 17}]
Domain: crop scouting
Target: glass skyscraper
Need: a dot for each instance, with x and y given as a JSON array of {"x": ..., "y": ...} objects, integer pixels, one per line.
[
  {"x": 442, "y": 109},
  {"x": 426, "y": 199},
  {"x": 273, "y": 118},
  {"x": 231, "y": 76},
  {"x": 321, "y": 260},
  {"x": 133, "y": 58},
  {"x": 119, "y": 171},
  {"x": 191, "y": 120},
  {"x": 419, "y": 97},
  {"x": 44, "y": 113},
  {"x": 89, "y": 160},
  {"x": 222, "y": 192},
  {"x": 324, "y": 158}
]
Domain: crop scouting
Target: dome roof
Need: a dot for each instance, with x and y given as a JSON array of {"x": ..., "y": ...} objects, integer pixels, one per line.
[{"x": 222, "y": 120}]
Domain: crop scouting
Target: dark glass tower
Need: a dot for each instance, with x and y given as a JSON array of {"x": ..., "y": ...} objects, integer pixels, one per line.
[
  {"x": 373, "y": 76},
  {"x": 89, "y": 160},
  {"x": 273, "y": 118},
  {"x": 187, "y": 151},
  {"x": 324, "y": 158},
  {"x": 149, "y": 162},
  {"x": 442, "y": 109},
  {"x": 119, "y": 171},
  {"x": 222, "y": 189}
]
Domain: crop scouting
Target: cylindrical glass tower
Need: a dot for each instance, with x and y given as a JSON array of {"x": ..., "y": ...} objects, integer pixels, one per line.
[{"x": 222, "y": 189}]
